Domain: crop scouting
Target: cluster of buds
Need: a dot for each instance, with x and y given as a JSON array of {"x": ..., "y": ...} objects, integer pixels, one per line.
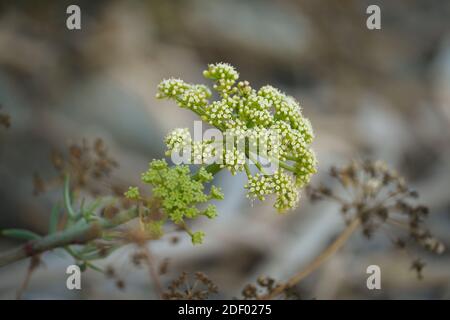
[{"x": 178, "y": 194}]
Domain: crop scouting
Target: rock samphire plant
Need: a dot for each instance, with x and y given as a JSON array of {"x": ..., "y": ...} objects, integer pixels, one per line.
[
  {"x": 260, "y": 133},
  {"x": 251, "y": 120}
]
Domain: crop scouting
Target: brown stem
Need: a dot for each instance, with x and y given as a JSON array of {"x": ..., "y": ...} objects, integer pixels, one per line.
[
  {"x": 317, "y": 262},
  {"x": 152, "y": 271},
  {"x": 34, "y": 263}
]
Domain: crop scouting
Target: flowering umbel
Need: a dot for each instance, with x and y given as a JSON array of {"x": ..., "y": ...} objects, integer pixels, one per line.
[
  {"x": 254, "y": 122},
  {"x": 253, "y": 118}
]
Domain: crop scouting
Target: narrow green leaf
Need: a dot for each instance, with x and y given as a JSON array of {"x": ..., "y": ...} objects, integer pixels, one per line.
[
  {"x": 94, "y": 267},
  {"x": 81, "y": 258},
  {"x": 54, "y": 218},
  {"x": 82, "y": 206},
  {"x": 20, "y": 234},
  {"x": 99, "y": 254},
  {"x": 67, "y": 198}
]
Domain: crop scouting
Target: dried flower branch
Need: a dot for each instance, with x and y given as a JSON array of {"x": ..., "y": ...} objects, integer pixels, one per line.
[
  {"x": 265, "y": 287},
  {"x": 35, "y": 261},
  {"x": 316, "y": 263},
  {"x": 183, "y": 288},
  {"x": 379, "y": 197},
  {"x": 87, "y": 165},
  {"x": 374, "y": 196}
]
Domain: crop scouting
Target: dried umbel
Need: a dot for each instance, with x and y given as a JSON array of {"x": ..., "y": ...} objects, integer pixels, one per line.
[
  {"x": 265, "y": 286},
  {"x": 184, "y": 288},
  {"x": 86, "y": 164},
  {"x": 380, "y": 199}
]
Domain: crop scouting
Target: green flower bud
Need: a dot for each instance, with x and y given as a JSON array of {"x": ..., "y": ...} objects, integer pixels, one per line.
[
  {"x": 216, "y": 193},
  {"x": 197, "y": 237},
  {"x": 210, "y": 212},
  {"x": 132, "y": 193}
]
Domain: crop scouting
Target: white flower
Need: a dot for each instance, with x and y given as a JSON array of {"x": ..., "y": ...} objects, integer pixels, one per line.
[
  {"x": 286, "y": 190},
  {"x": 233, "y": 159},
  {"x": 178, "y": 138},
  {"x": 171, "y": 88},
  {"x": 225, "y": 76},
  {"x": 259, "y": 186}
]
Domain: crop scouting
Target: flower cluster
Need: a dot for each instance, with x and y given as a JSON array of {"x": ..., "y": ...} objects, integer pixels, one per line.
[
  {"x": 266, "y": 117},
  {"x": 225, "y": 77},
  {"x": 178, "y": 194},
  {"x": 280, "y": 184},
  {"x": 133, "y": 193},
  {"x": 178, "y": 138}
]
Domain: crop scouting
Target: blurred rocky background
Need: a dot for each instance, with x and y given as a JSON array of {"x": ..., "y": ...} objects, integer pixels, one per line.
[{"x": 382, "y": 94}]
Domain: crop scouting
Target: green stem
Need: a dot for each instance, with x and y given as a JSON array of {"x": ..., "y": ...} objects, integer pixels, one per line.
[
  {"x": 186, "y": 228},
  {"x": 284, "y": 165},
  {"x": 257, "y": 164},
  {"x": 77, "y": 234},
  {"x": 212, "y": 168},
  {"x": 68, "y": 199},
  {"x": 247, "y": 170},
  {"x": 80, "y": 259},
  {"x": 292, "y": 158}
]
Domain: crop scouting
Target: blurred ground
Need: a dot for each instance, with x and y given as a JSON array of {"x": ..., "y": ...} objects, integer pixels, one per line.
[{"x": 380, "y": 94}]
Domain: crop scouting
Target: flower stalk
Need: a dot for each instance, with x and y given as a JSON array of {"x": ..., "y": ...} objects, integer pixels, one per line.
[{"x": 317, "y": 262}]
